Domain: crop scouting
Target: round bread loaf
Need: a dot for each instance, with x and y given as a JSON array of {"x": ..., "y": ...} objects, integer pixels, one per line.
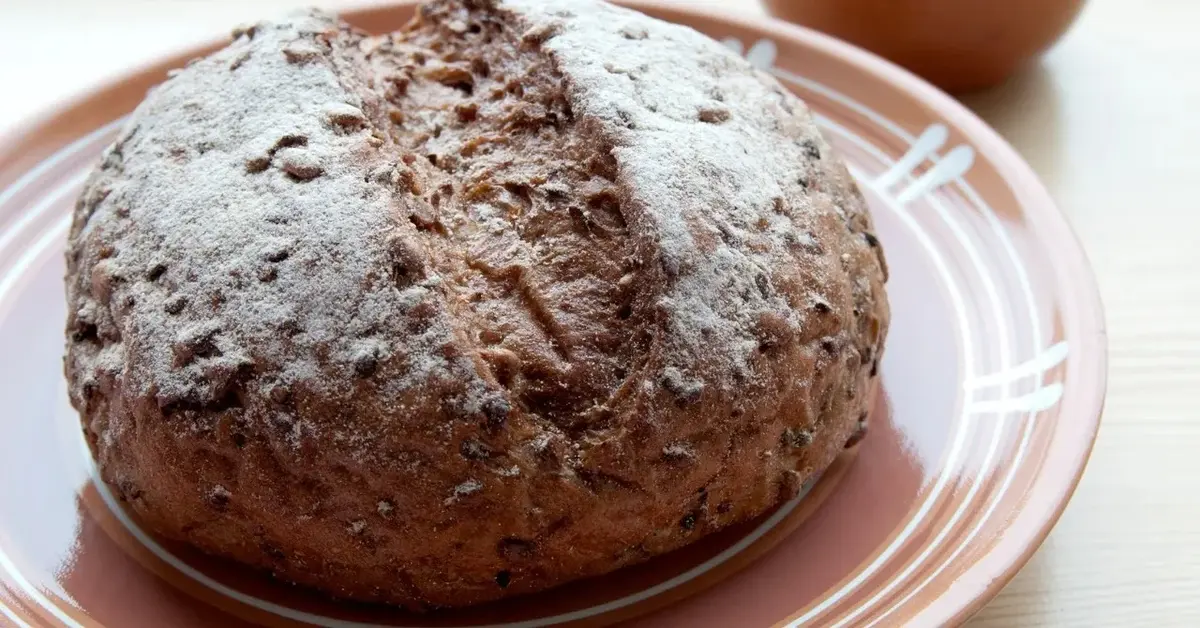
[{"x": 525, "y": 292}]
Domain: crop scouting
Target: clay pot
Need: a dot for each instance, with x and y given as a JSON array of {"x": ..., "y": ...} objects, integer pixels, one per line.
[{"x": 959, "y": 45}]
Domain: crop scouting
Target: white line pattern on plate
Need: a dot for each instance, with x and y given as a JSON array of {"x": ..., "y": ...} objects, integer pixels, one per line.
[
  {"x": 925, "y": 146},
  {"x": 1038, "y": 365},
  {"x": 1041, "y": 399},
  {"x": 11, "y": 615},
  {"x": 33, "y": 593},
  {"x": 64, "y": 153},
  {"x": 954, "y": 165},
  {"x": 15, "y": 276}
]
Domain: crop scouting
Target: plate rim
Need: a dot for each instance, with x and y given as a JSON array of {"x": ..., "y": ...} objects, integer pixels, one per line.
[{"x": 1027, "y": 532}]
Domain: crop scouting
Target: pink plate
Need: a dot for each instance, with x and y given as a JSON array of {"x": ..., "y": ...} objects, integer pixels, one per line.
[{"x": 993, "y": 385}]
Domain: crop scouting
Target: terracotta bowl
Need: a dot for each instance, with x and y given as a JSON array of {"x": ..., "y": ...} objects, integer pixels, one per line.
[
  {"x": 993, "y": 385},
  {"x": 959, "y": 45}
]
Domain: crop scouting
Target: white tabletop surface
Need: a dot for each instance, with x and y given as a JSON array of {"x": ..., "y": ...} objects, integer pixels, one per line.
[{"x": 1110, "y": 120}]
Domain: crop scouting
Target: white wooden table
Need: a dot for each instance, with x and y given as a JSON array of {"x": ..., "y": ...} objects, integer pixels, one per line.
[{"x": 1111, "y": 121}]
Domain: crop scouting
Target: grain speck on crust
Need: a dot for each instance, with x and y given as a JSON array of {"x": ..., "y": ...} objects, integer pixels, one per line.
[
  {"x": 301, "y": 163},
  {"x": 345, "y": 116},
  {"x": 713, "y": 115}
]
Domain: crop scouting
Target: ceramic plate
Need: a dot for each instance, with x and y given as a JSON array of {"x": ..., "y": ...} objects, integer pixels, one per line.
[{"x": 992, "y": 389}]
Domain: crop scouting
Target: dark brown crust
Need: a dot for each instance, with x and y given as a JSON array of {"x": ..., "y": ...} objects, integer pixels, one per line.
[{"x": 491, "y": 417}]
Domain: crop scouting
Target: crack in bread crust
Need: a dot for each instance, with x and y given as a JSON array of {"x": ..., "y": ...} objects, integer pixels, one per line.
[
  {"x": 520, "y": 214},
  {"x": 523, "y": 293}
]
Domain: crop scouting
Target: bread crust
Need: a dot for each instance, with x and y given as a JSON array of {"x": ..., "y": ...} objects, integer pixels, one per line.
[{"x": 524, "y": 293}]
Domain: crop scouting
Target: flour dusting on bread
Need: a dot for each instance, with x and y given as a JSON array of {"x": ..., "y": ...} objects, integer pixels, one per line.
[{"x": 525, "y": 292}]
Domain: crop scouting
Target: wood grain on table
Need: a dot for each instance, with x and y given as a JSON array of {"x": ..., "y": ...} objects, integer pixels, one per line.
[{"x": 1110, "y": 120}]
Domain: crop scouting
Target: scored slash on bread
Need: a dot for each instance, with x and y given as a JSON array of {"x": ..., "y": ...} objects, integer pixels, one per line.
[{"x": 525, "y": 292}]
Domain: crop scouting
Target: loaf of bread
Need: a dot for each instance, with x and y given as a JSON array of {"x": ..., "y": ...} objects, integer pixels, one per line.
[{"x": 526, "y": 292}]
